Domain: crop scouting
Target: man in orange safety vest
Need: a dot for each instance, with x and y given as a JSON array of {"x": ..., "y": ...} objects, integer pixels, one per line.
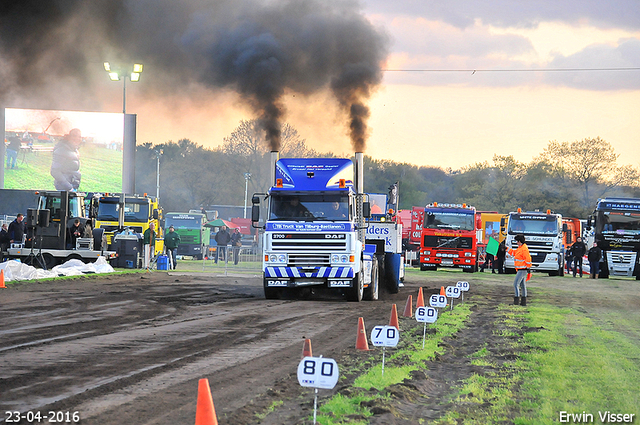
[{"x": 522, "y": 260}]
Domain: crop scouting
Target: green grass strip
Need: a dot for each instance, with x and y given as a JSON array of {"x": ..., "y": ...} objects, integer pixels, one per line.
[
  {"x": 569, "y": 365},
  {"x": 341, "y": 409}
]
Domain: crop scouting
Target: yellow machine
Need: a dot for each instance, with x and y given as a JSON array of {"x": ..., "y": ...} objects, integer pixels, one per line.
[
  {"x": 136, "y": 212},
  {"x": 492, "y": 227}
]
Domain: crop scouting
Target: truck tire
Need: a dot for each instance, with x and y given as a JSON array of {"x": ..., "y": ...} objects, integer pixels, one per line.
[
  {"x": 372, "y": 292},
  {"x": 49, "y": 260},
  {"x": 99, "y": 239},
  {"x": 356, "y": 292},
  {"x": 271, "y": 293}
]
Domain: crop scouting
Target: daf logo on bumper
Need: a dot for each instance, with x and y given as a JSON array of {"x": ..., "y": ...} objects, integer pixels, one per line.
[
  {"x": 277, "y": 283},
  {"x": 334, "y": 236}
]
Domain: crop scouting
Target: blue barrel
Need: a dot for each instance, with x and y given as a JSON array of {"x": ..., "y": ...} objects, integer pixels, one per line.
[{"x": 163, "y": 262}]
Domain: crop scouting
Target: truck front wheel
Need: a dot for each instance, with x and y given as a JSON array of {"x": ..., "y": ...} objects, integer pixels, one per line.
[
  {"x": 372, "y": 292},
  {"x": 271, "y": 293},
  {"x": 356, "y": 292}
]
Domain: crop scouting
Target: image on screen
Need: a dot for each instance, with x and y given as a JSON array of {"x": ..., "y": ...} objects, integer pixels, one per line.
[{"x": 63, "y": 150}]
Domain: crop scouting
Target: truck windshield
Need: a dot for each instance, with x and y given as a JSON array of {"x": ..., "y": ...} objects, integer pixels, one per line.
[
  {"x": 109, "y": 210},
  {"x": 619, "y": 223},
  {"x": 533, "y": 225},
  {"x": 457, "y": 220},
  {"x": 184, "y": 221},
  {"x": 333, "y": 207}
]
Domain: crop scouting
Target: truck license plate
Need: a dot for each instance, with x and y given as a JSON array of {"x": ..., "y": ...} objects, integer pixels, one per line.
[
  {"x": 447, "y": 262},
  {"x": 339, "y": 283}
]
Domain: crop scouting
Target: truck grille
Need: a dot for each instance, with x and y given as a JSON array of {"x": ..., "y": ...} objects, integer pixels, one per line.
[
  {"x": 309, "y": 249},
  {"x": 444, "y": 242},
  {"x": 309, "y": 259},
  {"x": 539, "y": 246}
]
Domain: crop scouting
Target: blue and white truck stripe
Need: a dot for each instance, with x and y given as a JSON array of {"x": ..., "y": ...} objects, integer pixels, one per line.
[{"x": 319, "y": 272}]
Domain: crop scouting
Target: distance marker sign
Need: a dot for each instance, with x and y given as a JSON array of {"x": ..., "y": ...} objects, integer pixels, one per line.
[
  {"x": 464, "y": 286},
  {"x": 318, "y": 372},
  {"x": 438, "y": 301},
  {"x": 426, "y": 314},
  {"x": 385, "y": 336},
  {"x": 453, "y": 292}
]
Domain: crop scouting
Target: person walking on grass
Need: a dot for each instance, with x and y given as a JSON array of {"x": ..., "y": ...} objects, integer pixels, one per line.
[{"x": 522, "y": 261}]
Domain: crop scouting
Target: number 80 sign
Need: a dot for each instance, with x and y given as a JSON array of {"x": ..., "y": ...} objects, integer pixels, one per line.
[{"x": 318, "y": 372}]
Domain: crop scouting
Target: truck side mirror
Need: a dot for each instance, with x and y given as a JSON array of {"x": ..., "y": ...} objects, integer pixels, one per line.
[
  {"x": 589, "y": 223},
  {"x": 156, "y": 214},
  {"x": 255, "y": 213},
  {"x": 565, "y": 227},
  {"x": 366, "y": 209}
]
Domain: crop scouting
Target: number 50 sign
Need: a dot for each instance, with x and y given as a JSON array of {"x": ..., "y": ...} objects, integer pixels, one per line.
[{"x": 318, "y": 372}]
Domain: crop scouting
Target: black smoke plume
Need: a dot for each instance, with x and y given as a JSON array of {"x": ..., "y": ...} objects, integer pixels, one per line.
[{"x": 51, "y": 52}]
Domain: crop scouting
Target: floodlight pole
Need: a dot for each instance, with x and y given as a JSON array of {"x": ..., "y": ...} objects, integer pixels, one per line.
[
  {"x": 247, "y": 177},
  {"x": 124, "y": 94},
  {"x": 158, "y": 155}
]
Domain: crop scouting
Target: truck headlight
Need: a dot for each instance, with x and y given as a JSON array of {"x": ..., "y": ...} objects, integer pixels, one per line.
[
  {"x": 426, "y": 252},
  {"x": 335, "y": 258},
  {"x": 278, "y": 258},
  {"x": 468, "y": 254},
  {"x": 344, "y": 258}
]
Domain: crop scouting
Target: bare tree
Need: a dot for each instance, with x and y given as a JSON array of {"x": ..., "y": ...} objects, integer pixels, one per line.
[{"x": 591, "y": 163}]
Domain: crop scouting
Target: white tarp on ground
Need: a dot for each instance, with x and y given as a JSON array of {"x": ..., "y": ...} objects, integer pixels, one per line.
[{"x": 15, "y": 270}]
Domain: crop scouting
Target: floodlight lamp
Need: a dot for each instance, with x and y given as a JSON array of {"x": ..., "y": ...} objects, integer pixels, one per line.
[
  {"x": 114, "y": 76},
  {"x": 137, "y": 68},
  {"x": 107, "y": 66},
  {"x": 135, "y": 76}
]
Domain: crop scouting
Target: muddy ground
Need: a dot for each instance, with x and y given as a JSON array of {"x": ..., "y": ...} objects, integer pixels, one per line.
[{"x": 130, "y": 349}]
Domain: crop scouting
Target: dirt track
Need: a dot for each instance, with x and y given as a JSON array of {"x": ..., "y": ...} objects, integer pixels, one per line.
[{"x": 130, "y": 349}]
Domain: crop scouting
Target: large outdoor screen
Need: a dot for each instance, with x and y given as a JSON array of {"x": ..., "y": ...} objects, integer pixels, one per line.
[{"x": 63, "y": 150}]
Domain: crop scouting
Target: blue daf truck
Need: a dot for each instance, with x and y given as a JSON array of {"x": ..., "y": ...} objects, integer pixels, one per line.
[{"x": 315, "y": 231}]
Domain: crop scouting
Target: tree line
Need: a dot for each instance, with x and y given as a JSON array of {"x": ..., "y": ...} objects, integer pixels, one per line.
[{"x": 567, "y": 177}]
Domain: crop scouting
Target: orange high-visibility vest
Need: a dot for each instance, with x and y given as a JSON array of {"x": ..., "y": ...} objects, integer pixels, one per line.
[{"x": 521, "y": 256}]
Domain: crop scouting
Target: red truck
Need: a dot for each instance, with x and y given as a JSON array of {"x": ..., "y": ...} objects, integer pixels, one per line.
[{"x": 449, "y": 237}]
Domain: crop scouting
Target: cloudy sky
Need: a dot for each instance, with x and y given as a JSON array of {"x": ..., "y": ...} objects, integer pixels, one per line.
[
  {"x": 433, "y": 109},
  {"x": 459, "y": 80}
]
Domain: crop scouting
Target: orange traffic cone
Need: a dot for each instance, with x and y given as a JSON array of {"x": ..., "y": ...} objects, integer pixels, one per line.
[
  {"x": 443, "y": 292},
  {"x": 205, "y": 412},
  {"x": 393, "y": 321},
  {"x": 420, "y": 300},
  {"x": 2, "y": 279},
  {"x": 408, "y": 307},
  {"x": 306, "y": 348},
  {"x": 361, "y": 342}
]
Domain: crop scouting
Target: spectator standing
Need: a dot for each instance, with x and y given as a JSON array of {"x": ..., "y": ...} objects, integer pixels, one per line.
[
  {"x": 4, "y": 240},
  {"x": 578, "y": 249},
  {"x": 236, "y": 243},
  {"x": 12, "y": 151},
  {"x": 500, "y": 255},
  {"x": 488, "y": 262},
  {"x": 568, "y": 257},
  {"x": 222, "y": 240},
  {"x": 16, "y": 230},
  {"x": 171, "y": 242},
  {"x": 594, "y": 256},
  {"x": 73, "y": 233},
  {"x": 149, "y": 241},
  {"x": 522, "y": 261}
]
